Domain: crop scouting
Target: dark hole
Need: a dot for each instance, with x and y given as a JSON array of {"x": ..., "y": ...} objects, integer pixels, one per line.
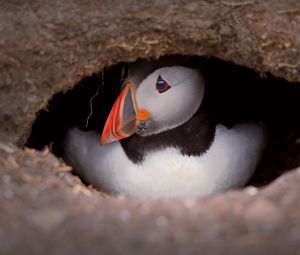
[{"x": 232, "y": 89}]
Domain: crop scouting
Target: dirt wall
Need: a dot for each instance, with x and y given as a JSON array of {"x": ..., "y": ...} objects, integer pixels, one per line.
[{"x": 48, "y": 46}]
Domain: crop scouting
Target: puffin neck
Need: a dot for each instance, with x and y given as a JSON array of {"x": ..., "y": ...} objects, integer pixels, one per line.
[{"x": 192, "y": 138}]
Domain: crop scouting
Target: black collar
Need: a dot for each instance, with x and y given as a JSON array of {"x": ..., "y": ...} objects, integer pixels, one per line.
[{"x": 193, "y": 138}]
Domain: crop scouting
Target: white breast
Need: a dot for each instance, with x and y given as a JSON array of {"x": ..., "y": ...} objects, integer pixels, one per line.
[{"x": 229, "y": 163}]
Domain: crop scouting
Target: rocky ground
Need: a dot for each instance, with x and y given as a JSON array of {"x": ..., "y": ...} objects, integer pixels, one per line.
[
  {"x": 48, "y": 46},
  {"x": 45, "y": 209}
]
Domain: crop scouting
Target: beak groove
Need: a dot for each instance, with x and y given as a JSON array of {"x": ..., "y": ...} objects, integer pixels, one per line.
[{"x": 121, "y": 122}]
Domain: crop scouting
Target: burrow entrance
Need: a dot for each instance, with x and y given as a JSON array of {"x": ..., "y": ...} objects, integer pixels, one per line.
[{"x": 232, "y": 89}]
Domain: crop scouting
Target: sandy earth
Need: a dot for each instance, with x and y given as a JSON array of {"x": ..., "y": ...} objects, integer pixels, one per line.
[
  {"x": 45, "y": 209},
  {"x": 48, "y": 46}
]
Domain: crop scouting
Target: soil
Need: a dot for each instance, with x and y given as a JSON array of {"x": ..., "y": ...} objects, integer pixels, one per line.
[
  {"x": 45, "y": 209},
  {"x": 49, "y": 46}
]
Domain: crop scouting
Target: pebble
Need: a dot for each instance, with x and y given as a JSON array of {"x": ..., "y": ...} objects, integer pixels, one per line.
[
  {"x": 189, "y": 203},
  {"x": 263, "y": 212},
  {"x": 124, "y": 215},
  {"x": 6, "y": 178},
  {"x": 6, "y": 148},
  {"x": 162, "y": 221},
  {"x": 47, "y": 219},
  {"x": 61, "y": 174},
  {"x": 252, "y": 191},
  {"x": 121, "y": 197},
  {"x": 9, "y": 194}
]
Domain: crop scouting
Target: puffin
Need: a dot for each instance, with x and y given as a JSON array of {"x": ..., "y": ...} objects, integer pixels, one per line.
[{"x": 160, "y": 139}]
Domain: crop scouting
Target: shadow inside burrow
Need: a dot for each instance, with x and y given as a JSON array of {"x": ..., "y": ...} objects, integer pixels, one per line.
[{"x": 234, "y": 94}]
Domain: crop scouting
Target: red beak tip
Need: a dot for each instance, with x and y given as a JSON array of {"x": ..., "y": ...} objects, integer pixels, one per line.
[{"x": 119, "y": 125}]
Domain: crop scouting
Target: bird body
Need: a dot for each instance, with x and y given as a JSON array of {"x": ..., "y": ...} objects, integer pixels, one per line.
[
  {"x": 229, "y": 162},
  {"x": 159, "y": 141}
]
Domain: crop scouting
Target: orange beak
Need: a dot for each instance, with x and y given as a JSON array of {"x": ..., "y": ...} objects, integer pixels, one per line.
[{"x": 123, "y": 118}]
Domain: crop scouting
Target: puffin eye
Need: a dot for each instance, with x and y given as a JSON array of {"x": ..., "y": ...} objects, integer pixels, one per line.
[{"x": 162, "y": 85}]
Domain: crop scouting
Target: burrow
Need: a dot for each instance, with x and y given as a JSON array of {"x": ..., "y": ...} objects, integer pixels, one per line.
[
  {"x": 232, "y": 88},
  {"x": 47, "y": 49}
]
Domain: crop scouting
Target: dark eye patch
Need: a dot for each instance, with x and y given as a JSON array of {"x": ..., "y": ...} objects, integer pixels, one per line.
[{"x": 162, "y": 85}]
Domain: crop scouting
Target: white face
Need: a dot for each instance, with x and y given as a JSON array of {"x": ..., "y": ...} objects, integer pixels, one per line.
[{"x": 176, "y": 105}]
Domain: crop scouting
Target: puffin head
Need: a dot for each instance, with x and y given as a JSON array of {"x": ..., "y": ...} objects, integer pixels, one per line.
[{"x": 165, "y": 99}]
